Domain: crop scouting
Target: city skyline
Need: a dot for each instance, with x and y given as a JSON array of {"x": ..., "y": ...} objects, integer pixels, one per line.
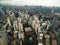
[{"x": 31, "y": 2}]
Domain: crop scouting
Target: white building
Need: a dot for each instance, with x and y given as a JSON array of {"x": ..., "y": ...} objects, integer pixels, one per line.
[
  {"x": 8, "y": 21},
  {"x": 20, "y": 25},
  {"x": 15, "y": 26}
]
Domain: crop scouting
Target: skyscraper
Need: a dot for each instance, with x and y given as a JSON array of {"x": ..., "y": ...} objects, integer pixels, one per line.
[
  {"x": 8, "y": 20},
  {"x": 20, "y": 25},
  {"x": 15, "y": 26}
]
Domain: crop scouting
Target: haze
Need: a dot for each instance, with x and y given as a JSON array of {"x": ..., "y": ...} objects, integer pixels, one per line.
[{"x": 31, "y": 2}]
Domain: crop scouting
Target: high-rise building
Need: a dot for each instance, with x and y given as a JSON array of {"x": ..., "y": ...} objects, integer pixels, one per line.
[
  {"x": 15, "y": 26},
  {"x": 12, "y": 16},
  {"x": 20, "y": 25},
  {"x": 35, "y": 23},
  {"x": 54, "y": 42},
  {"x": 35, "y": 17},
  {"x": 8, "y": 21},
  {"x": 47, "y": 37},
  {"x": 53, "y": 8},
  {"x": 19, "y": 20},
  {"x": 30, "y": 21}
]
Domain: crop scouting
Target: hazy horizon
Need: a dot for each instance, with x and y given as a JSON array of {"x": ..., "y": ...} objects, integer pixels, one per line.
[{"x": 55, "y": 3}]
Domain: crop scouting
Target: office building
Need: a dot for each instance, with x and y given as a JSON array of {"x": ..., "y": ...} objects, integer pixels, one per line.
[
  {"x": 8, "y": 21},
  {"x": 15, "y": 26}
]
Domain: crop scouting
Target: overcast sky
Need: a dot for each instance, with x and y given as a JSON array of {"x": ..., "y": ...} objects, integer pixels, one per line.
[{"x": 31, "y": 2}]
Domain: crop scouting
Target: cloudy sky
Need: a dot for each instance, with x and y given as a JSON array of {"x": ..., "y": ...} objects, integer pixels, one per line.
[{"x": 31, "y": 2}]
